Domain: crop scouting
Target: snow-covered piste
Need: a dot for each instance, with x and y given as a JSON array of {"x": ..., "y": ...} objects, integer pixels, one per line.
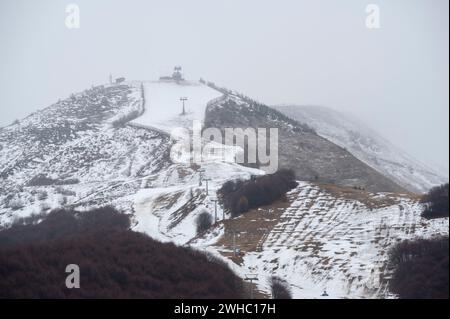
[{"x": 163, "y": 107}]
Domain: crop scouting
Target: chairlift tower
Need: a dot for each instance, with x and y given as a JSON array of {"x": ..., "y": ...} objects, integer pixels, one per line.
[
  {"x": 207, "y": 180},
  {"x": 200, "y": 171},
  {"x": 215, "y": 200},
  {"x": 183, "y": 100},
  {"x": 233, "y": 233},
  {"x": 251, "y": 278}
]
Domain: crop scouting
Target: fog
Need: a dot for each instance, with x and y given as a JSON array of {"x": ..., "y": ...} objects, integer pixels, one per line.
[{"x": 318, "y": 52}]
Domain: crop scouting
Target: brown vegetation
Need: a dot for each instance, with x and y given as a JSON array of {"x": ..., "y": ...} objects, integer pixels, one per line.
[
  {"x": 436, "y": 201},
  {"x": 240, "y": 196},
  {"x": 280, "y": 288},
  {"x": 114, "y": 261},
  {"x": 421, "y": 269}
]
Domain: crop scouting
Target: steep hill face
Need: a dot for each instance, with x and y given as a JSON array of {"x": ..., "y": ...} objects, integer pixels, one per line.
[
  {"x": 66, "y": 153},
  {"x": 104, "y": 146},
  {"x": 311, "y": 156},
  {"x": 325, "y": 238},
  {"x": 367, "y": 145}
]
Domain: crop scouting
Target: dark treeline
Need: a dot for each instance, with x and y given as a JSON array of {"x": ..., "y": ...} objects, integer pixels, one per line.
[
  {"x": 420, "y": 269},
  {"x": 436, "y": 202},
  {"x": 240, "y": 196},
  {"x": 63, "y": 223},
  {"x": 262, "y": 108},
  {"x": 42, "y": 180},
  {"x": 114, "y": 262}
]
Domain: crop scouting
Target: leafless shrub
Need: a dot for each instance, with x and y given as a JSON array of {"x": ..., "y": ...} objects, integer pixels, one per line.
[
  {"x": 420, "y": 268},
  {"x": 280, "y": 288},
  {"x": 436, "y": 202},
  {"x": 203, "y": 222}
]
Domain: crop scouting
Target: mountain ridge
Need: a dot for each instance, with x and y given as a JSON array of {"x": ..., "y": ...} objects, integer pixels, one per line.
[
  {"x": 367, "y": 145},
  {"x": 311, "y": 156}
]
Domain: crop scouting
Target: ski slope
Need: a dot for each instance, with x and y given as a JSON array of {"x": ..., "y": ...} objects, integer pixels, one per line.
[
  {"x": 167, "y": 205},
  {"x": 163, "y": 108}
]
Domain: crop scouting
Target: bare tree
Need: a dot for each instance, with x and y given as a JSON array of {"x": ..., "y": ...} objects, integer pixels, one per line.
[
  {"x": 203, "y": 222},
  {"x": 280, "y": 288}
]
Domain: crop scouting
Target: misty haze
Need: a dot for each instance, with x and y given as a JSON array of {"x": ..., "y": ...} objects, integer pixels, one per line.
[{"x": 224, "y": 149}]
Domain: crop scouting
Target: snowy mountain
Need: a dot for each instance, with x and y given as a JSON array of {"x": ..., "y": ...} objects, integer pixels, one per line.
[
  {"x": 300, "y": 148},
  {"x": 368, "y": 146},
  {"x": 111, "y": 145}
]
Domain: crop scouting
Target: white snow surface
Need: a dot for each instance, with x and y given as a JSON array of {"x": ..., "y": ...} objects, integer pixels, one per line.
[
  {"x": 167, "y": 208},
  {"x": 163, "y": 107}
]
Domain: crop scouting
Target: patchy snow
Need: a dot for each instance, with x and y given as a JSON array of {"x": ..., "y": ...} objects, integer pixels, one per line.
[
  {"x": 368, "y": 146},
  {"x": 320, "y": 242},
  {"x": 167, "y": 208},
  {"x": 73, "y": 143},
  {"x": 324, "y": 242}
]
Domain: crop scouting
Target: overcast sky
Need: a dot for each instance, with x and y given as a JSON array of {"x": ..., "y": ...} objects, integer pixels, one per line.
[{"x": 305, "y": 52}]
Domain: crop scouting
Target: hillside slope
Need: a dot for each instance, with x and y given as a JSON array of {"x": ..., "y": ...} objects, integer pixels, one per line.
[
  {"x": 311, "y": 156},
  {"x": 368, "y": 146},
  {"x": 324, "y": 238},
  {"x": 69, "y": 152}
]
